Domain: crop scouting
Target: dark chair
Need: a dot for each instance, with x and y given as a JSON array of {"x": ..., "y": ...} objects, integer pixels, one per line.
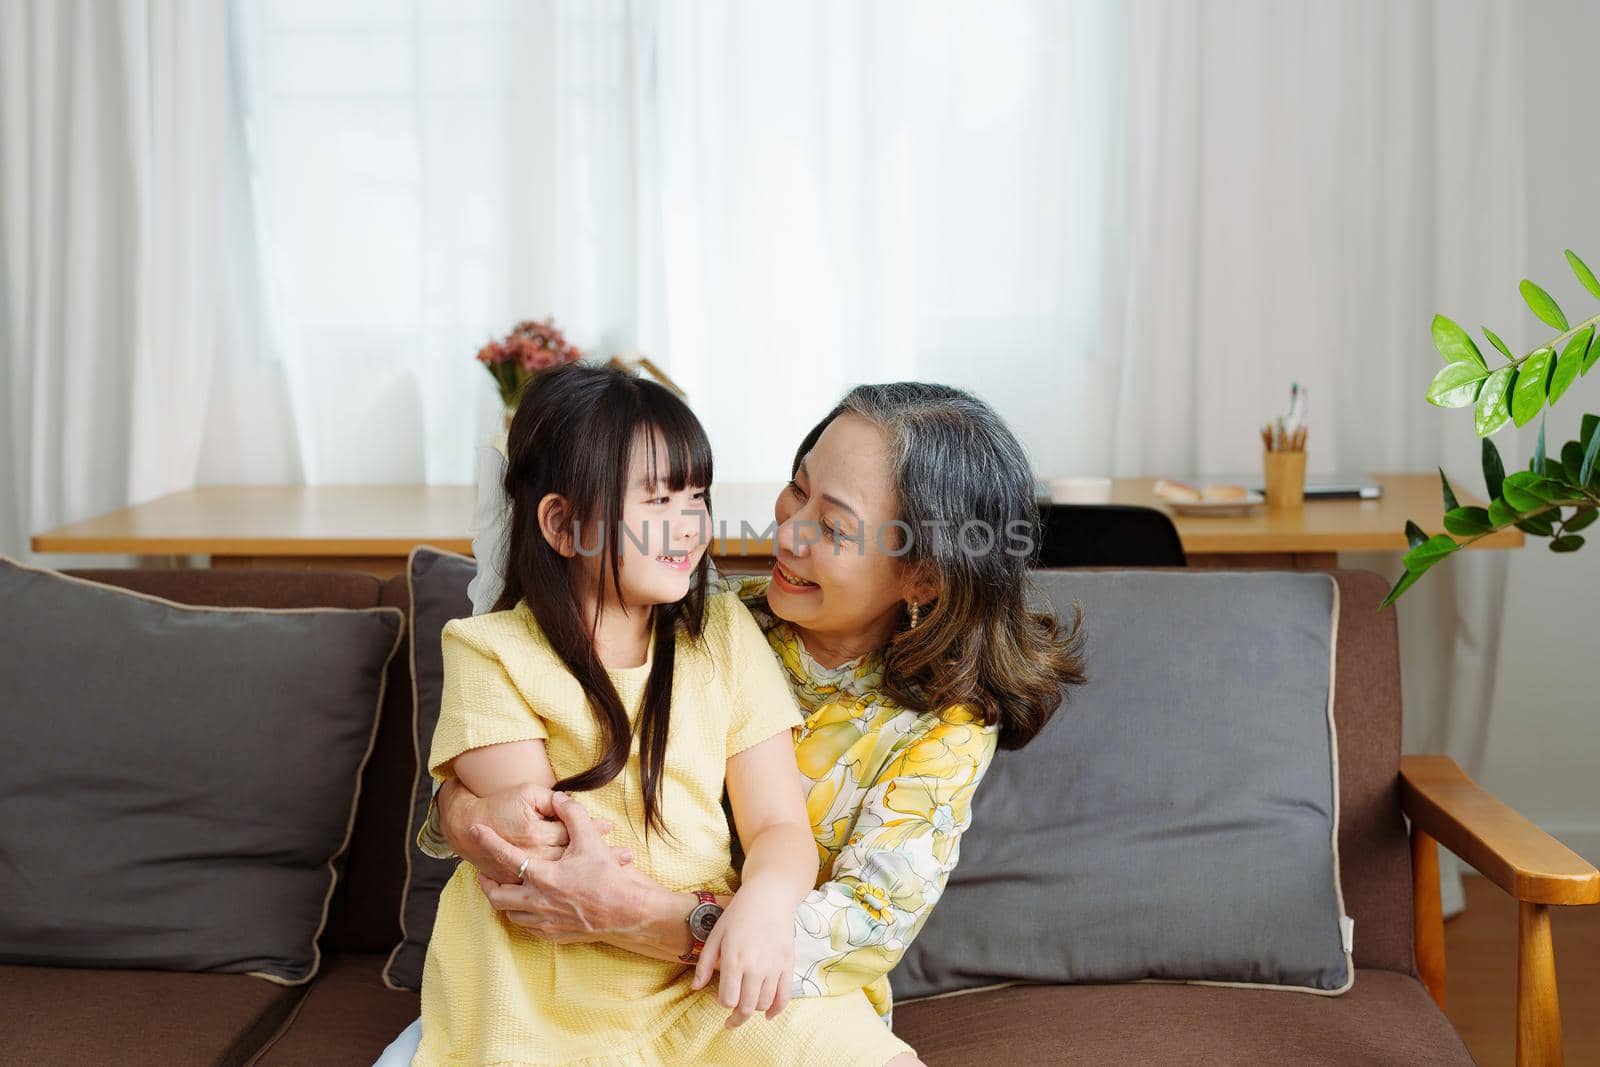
[{"x": 1107, "y": 535}]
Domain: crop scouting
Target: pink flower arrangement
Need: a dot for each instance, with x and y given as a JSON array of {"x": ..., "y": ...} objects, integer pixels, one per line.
[{"x": 530, "y": 348}]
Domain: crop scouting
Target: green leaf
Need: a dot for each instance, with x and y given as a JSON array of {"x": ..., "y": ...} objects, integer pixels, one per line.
[
  {"x": 1582, "y": 519},
  {"x": 1456, "y": 385},
  {"x": 1516, "y": 491},
  {"x": 1556, "y": 471},
  {"x": 1533, "y": 379},
  {"x": 1430, "y": 552},
  {"x": 1494, "y": 339},
  {"x": 1566, "y": 543},
  {"x": 1494, "y": 471},
  {"x": 1594, "y": 354},
  {"x": 1492, "y": 412},
  {"x": 1545, "y": 490},
  {"x": 1571, "y": 362},
  {"x": 1585, "y": 275},
  {"x": 1538, "y": 464},
  {"x": 1590, "y": 424},
  {"x": 1407, "y": 580},
  {"x": 1586, "y": 465},
  {"x": 1542, "y": 305},
  {"x": 1550, "y": 489},
  {"x": 1454, "y": 344},
  {"x": 1501, "y": 513},
  {"x": 1571, "y": 461},
  {"x": 1467, "y": 522},
  {"x": 1539, "y": 526},
  {"x": 1415, "y": 535},
  {"x": 1425, "y": 555},
  {"x": 1450, "y": 502}
]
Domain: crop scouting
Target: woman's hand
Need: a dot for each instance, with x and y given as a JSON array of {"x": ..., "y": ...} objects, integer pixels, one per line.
[
  {"x": 587, "y": 891},
  {"x": 753, "y": 945},
  {"x": 494, "y": 833}
]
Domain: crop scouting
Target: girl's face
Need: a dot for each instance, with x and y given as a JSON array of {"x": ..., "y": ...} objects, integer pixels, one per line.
[
  {"x": 664, "y": 533},
  {"x": 839, "y": 573}
]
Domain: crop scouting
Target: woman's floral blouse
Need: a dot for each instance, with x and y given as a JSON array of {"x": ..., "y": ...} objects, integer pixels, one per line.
[{"x": 890, "y": 796}]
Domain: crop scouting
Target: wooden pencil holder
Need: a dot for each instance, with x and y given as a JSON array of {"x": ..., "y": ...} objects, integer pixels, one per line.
[{"x": 1285, "y": 480}]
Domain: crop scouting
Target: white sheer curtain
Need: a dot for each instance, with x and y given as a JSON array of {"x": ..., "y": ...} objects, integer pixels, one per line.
[
  {"x": 774, "y": 201},
  {"x": 428, "y": 174},
  {"x": 1305, "y": 185},
  {"x": 866, "y": 192},
  {"x": 112, "y": 120}
]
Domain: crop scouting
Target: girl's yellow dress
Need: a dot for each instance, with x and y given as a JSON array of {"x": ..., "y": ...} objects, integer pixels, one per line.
[{"x": 492, "y": 993}]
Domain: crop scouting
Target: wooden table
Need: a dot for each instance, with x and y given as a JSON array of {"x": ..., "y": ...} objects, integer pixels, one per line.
[{"x": 373, "y": 528}]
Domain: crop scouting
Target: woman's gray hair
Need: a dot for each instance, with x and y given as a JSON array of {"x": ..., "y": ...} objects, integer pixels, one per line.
[{"x": 966, "y": 498}]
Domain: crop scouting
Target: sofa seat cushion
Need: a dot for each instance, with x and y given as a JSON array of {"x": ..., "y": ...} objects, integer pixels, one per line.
[
  {"x": 346, "y": 1019},
  {"x": 1384, "y": 1018},
  {"x": 72, "y": 1016}
]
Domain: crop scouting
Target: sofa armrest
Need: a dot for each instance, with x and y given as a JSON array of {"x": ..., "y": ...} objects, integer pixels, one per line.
[
  {"x": 1446, "y": 806},
  {"x": 1437, "y": 796},
  {"x": 1512, "y": 853}
]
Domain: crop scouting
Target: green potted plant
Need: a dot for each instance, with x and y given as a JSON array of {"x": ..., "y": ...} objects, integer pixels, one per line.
[{"x": 1559, "y": 494}]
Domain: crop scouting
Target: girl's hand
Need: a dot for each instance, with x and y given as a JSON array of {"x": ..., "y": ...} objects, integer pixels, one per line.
[{"x": 753, "y": 945}]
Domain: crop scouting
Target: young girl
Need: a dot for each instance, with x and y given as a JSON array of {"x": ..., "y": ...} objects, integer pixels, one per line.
[{"x": 606, "y": 671}]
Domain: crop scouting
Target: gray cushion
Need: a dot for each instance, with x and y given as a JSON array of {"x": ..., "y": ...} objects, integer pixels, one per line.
[
  {"x": 1177, "y": 819},
  {"x": 182, "y": 780},
  {"x": 438, "y": 583}
]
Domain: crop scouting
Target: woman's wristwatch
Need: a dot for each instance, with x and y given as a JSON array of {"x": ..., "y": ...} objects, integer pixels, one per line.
[{"x": 701, "y": 920}]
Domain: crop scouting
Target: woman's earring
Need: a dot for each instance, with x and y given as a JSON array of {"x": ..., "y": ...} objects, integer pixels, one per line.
[{"x": 916, "y": 612}]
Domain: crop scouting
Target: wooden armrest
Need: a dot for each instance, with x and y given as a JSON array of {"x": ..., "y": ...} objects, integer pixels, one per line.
[{"x": 1506, "y": 848}]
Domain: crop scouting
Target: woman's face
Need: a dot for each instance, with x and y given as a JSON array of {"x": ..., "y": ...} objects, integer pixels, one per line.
[{"x": 837, "y": 574}]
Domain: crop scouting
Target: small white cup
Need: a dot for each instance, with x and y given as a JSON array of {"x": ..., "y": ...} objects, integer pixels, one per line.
[{"x": 1080, "y": 490}]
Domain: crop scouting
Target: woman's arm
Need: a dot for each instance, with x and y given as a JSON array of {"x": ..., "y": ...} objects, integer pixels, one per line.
[
  {"x": 852, "y": 929},
  {"x": 494, "y": 832},
  {"x": 586, "y": 898}
]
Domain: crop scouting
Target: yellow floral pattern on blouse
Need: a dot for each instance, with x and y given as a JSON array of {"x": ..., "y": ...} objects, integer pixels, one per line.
[{"x": 890, "y": 796}]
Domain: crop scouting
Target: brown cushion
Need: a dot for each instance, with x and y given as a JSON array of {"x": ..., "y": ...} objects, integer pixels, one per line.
[
  {"x": 347, "y": 1018},
  {"x": 198, "y": 781},
  {"x": 71, "y": 1017},
  {"x": 1385, "y": 1018}
]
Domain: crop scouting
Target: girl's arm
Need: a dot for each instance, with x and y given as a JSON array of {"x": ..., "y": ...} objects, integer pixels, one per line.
[
  {"x": 622, "y": 907},
  {"x": 753, "y": 943},
  {"x": 495, "y": 767}
]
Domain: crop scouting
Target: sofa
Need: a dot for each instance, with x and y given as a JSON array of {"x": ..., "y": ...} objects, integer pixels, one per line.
[{"x": 1391, "y": 1013}]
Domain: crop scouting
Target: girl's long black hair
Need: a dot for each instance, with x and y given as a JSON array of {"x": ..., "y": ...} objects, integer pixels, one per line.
[{"x": 572, "y": 435}]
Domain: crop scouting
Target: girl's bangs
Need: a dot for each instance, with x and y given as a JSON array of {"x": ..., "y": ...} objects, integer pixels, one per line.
[{"x": 688, "y": 451}]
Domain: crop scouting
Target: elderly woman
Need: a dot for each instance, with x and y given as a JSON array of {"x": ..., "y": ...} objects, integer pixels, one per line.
[{"x": 897, "y": 608}]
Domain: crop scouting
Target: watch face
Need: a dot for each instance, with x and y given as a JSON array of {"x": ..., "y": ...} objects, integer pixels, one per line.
[{"x": 703, "y": 918}]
